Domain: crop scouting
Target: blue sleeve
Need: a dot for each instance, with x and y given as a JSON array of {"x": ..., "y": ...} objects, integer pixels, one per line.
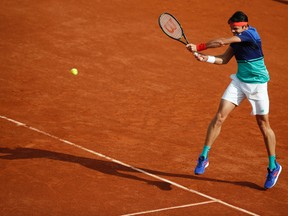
[
  {"x": 250, "y": 35},
  {"x": 245, "y": 37}
]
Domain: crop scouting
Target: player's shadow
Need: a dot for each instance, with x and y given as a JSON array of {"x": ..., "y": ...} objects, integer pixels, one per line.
[
  {"x": 109, "y": 167},
  {"x": 106, "y": 167}
]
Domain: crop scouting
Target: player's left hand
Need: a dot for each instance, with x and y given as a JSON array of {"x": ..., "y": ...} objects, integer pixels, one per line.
[{"x": 201, "y": 57}]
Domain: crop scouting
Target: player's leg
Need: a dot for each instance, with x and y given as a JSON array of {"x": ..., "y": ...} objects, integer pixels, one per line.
[
  {"x": 260, "y": 108},
  {"x": 214, "y": 128},
  {"x": 268, "y": 134},
  {"x": 274, "y": 169},
  {"x": 213, "y": 131},
  {"x": 231, "y": 98}
]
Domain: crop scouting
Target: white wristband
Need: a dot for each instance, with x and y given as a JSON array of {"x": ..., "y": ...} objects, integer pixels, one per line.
[{"x": 211, "y": 59}]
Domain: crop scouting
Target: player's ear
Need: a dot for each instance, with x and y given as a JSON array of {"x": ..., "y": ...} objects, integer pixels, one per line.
[{"x": 245, "y": 27}]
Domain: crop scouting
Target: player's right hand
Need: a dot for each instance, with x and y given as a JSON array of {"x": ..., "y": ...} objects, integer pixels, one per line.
[{"x": 191, "y": 47}]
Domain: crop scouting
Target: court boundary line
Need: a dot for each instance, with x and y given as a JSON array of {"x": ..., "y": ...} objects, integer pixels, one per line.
[
  {"x": 127, "y": 165},
  {"x": 169, "y": 208}
]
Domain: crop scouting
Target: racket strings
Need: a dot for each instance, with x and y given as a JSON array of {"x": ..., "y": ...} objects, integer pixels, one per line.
[{"x": 170, "y": 26}]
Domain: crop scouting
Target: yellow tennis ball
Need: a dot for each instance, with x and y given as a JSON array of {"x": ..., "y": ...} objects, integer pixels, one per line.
[{"x": 74, "y": 71}]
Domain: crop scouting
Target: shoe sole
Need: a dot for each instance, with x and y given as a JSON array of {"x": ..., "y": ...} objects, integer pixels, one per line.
[{"x": 276, "y": 177}]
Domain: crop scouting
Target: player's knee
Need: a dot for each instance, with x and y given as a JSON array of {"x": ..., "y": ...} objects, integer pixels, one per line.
[
  {"x": 264, "y": 125},
  {"x": 219, "y": 119},
  {"x": 262, "y": 122}
]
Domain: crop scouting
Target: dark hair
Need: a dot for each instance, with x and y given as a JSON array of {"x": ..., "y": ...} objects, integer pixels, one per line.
[{"x": 238, "y": 16}]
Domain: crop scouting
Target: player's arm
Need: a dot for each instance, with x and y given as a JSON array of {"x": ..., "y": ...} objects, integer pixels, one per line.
[
  {"x": 219, "y": 59},
  {"x": 221, "y": 42},
  {"x": 213, "y": 44}
]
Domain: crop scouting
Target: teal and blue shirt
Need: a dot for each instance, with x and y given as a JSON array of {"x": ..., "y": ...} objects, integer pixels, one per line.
[{"x": 250, "y": 58}]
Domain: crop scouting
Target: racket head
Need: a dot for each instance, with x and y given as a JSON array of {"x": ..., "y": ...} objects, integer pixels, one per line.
[{"x": 172, "y": 27}]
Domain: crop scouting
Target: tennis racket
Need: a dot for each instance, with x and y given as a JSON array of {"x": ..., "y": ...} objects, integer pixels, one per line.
[{"x": 172, "y": 28}]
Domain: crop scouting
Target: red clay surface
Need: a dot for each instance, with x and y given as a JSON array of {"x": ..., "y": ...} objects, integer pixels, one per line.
[{"x": 140, "y": 98}]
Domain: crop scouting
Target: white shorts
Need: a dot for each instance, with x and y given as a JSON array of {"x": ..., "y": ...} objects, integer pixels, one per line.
[{"x": 257, "y": 94}]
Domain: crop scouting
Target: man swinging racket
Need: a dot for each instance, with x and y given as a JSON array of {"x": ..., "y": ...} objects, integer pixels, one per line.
[{"x": 249, "y": 82}]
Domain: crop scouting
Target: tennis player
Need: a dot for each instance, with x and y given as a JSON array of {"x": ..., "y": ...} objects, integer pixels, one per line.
[{"x": 250, "y": 81}]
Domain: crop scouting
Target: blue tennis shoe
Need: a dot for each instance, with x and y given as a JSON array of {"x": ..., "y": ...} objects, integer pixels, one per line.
[
  {"x": 201, "y": 165},
  {"x": 272, "y": 176}
]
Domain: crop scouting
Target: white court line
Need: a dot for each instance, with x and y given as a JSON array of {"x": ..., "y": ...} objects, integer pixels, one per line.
[
  {"x": 170, "y": 208},
  {"x": 129, "y": 166}
]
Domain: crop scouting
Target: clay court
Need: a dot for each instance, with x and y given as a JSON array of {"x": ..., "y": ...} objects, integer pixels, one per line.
[{"x": 123, "y": 136}]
